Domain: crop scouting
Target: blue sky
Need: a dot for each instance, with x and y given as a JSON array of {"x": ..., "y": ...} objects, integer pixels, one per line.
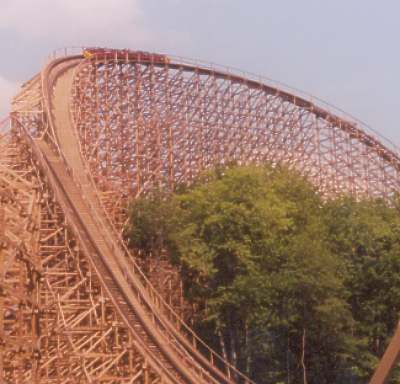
[{"x": 344, "y": 51}]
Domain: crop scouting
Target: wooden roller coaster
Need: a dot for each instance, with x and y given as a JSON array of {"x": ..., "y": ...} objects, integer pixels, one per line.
[{"x": 98, "y": 127}]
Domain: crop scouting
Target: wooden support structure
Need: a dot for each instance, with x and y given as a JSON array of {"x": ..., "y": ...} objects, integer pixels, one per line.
[
  {"x": 90, "y": 132},
  {"x": 389, "y": 360}
]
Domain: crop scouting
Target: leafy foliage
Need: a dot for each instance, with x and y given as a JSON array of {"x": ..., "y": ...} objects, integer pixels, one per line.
[
  {"x": 288, "y": 288},
  {"x": 366, "y": 235}
]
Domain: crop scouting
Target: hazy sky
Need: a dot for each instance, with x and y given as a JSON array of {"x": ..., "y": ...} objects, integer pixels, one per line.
[{"x": 344, "y": 51}]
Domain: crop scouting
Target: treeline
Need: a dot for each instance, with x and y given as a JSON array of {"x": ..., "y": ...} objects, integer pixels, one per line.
[{"x": 288, "y": 287}]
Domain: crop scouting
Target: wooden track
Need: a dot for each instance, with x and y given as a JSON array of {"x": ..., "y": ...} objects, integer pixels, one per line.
[
  {"x": 100, "y": 247},
  {"x": 86, "y": 134},
  {"x": 165, "y": 352}
]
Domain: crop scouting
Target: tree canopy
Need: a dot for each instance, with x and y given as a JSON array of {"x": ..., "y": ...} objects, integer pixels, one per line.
[{"x": 288, "y": 287}]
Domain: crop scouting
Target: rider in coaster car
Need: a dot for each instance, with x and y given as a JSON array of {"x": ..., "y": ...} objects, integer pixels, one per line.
[{"x": 87, "y": 54}]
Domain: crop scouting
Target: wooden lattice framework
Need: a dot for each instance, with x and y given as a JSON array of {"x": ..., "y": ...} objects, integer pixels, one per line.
[
  {"x": 144, "y": 124},
  {"x": 140, "y": 125}
]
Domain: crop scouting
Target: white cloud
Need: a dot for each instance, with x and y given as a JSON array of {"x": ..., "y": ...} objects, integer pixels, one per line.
[
  {"x": 80, "y": 22},
  {"x": 7, "y": 90},
  {"x": 44, "y": 25}
]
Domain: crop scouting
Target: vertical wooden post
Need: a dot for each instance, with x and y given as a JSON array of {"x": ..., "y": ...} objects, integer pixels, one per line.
[{"x": 145, "y": 373}]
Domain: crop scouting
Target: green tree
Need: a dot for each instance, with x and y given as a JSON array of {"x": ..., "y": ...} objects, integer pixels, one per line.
[
  {"x": 256, "y": 260},
  {"x": 367, "y": 235}
]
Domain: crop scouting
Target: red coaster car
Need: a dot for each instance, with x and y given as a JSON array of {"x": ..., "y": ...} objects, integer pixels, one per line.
[{"x": 125, "y": 54}]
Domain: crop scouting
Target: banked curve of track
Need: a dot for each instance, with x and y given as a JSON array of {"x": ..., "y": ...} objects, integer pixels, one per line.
[
  {"x": 356, "y": 129},
  {"x": 171, "y": 355}
]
